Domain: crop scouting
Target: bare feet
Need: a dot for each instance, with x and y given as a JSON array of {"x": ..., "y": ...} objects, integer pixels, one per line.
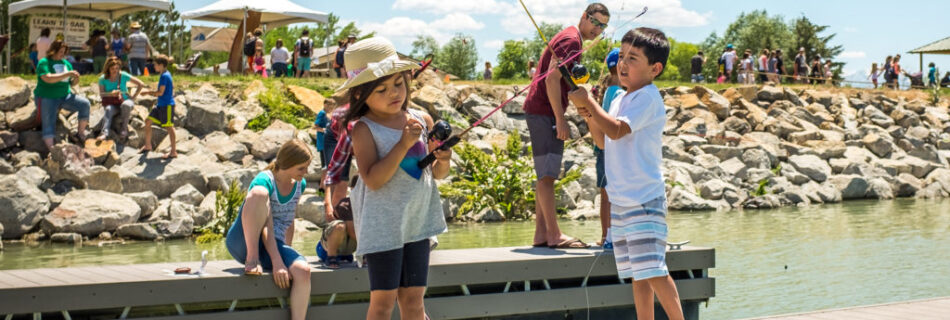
[
  {"x": 170, "y": 155},
  {"x": 145, "y": 149}
]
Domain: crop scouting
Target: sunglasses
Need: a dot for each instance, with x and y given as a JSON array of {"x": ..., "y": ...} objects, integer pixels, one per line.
[{"x": 596, "y": 22}]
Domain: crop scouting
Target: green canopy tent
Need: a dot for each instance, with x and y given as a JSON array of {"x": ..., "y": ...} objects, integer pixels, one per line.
[{"x": 941, "y": 46}]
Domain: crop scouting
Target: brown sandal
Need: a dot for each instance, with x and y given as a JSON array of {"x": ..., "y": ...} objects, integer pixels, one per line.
[{"x": 571, "y": 244}]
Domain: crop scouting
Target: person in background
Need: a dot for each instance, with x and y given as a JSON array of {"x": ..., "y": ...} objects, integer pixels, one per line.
[
  {"x": 302, "y": 51},
  {"x": 612, "y": 91},
  {"x": 98, "y": 45},
  {"x": 945, "y": 82},
  {"x": 889, "y": 72},
  {"x": 116, "y": 99},
  {"x": 259, "y": 62},
  {"x": 43, "y": 43},
  {"x": 729, "y": 59},
  {"x": 829, "y": 74},
  {"x": 696, "y": 67},
  {"x": 763, "y": 62},
  {"x": 801, "y": 66},
  {"x": 279, "y": 56},
  {"x": 875, "y": 73},
  {"x": 34, "y": 57},
  {"x": 531, "y": 68},
  {"x": 117, "y": 46},
  {"x": 897, "y": 71},
  {"x": 487, "y": 75},
  {"x": 338, "y": 59},
  {"x": 932, "y": 75},
  {"x": 163, "y": 112},
  {"x": 139, "y": 49},
  {"x": 54, "y": 78},
  {"x": 817, "y": 72}
]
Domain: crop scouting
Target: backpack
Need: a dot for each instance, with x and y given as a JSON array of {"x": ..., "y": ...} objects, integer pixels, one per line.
[
  {"x": 249, "y": 47},
  {"x": 305, "y": 47}
]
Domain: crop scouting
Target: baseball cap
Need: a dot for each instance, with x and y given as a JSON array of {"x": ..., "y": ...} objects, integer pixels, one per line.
[
  {"x": 612, "y": 57},
  {"x": 729, "y": 46}
]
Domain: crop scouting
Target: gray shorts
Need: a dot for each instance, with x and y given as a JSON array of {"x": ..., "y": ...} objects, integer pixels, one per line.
[{"x": 546, "y": 148}]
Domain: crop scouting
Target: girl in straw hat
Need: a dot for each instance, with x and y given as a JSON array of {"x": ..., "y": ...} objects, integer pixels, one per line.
[{"x": 396, "y": 205}]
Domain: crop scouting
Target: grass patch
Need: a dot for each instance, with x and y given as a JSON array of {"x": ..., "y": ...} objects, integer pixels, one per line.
[{"x": 279, "y": 105}]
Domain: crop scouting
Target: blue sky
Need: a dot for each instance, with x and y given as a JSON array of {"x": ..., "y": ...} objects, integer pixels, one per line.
[{"x": 868, "y": 30}]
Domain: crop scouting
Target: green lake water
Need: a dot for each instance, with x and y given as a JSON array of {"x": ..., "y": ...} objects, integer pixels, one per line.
[{"x": 767, "y": 262}]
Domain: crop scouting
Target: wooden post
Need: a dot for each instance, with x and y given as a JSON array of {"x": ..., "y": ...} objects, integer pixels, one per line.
[
  {"x": 235, "y": 59},
  {"x": 921, "y": 62}
]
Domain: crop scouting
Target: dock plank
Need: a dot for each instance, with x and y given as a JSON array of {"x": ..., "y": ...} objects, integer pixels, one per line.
[{"x": 935, "y": 308}]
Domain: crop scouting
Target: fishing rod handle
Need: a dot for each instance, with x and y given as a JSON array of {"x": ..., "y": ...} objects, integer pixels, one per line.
[{"x": 430, "y": 158}]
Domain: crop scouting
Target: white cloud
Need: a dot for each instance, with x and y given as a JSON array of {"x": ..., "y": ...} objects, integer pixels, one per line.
[
  {"x": 403, "y": 30},
  {"x": 457, "y": 21},
  {"x": 494, "y": 44},
  {"x": 852, "y": 55},
  {"x": 453, "y": 6},
  {"x": 850, "y": 29}
]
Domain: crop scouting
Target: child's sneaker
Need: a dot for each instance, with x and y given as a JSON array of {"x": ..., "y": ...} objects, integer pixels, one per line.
[{"x": 608, "y": 246}]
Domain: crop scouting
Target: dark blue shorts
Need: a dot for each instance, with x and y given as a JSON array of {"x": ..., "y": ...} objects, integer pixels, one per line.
[
  {"x": 238, "y": 249},
  {"x": 162, "y": 115},
  {"x": 601, "y": 175}
]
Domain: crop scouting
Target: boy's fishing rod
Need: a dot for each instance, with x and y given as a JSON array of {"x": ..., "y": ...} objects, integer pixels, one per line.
[{"x": 443, "y": 131}]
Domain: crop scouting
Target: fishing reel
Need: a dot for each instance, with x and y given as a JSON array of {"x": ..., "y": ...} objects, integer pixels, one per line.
[
  {"x": 577, "y": 75},
  {"x": 441, "y": 131}
]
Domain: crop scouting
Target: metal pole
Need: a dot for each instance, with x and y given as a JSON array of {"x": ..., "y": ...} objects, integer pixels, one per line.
[
  {"x": 10, "y": 45},
  {"x": 243, "y": 40}
]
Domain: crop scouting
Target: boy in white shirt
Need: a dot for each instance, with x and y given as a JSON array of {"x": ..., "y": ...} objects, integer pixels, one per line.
[{"x": 631, "y": 136}]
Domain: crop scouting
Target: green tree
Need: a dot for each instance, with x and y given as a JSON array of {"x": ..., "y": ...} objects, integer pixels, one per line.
[
  {"x": 678, "y": 64},
  {"x": 535, "y": 45},
  {"x": 459, "y": 56},
  {"x": 424, "y": 45},
  {"x": 512, "y": 60},
  {"x": 593, "y": 59}
]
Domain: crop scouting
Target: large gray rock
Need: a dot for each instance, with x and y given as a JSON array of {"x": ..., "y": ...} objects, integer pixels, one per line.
[
  {"x": 91, "y": 212},
  {"x": 770, "y": 93},
  {"x": 22, "y": 118},
  {"x": 35, "y": 176},
  {"x": 8, "y": 139},
  {"x": 715, "y": 189},
  {"x": 811, "y": 166},
  {"x": 488, "y": 215},
  {"x": 188, "y": 194},
  {"x": 757, "y": 158},
  {"x": 224, "y": 147},
  {"x": 767, "y": 201},
  {"x": 161, "y": 177},
  {"x": 6, "y": 168},
  {"x": 23, "y": 206},
  {"x": 497, "y": 120},
  {"x": 138, "y": 231},
  {"x": 271, "y": 139},
  {"x": 146, "y": 200},
  {"x": 14, "y": 93},
  {"x": 683, "y": 199},
  {"x": 881, "y": 146},
  {"x": 311, "y": 208},
  {"x": 66, "y": 237},
  {"x": 878, "y": 188},
  {"x": 850, "y": 186},
  {"x": 206, "y": 211},
  {"x": 906, "y": 185},
  {"x": 205, "y": 111}
]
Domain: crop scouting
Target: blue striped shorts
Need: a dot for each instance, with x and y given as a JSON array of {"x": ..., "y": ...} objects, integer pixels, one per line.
[{"x": 639, "y": 237}]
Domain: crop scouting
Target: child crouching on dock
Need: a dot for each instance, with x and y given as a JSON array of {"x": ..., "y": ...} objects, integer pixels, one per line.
[
  {"x": 262, "y": 235},
  {"x": 630, "y": 135},
  {"x": 396, "y": 205}
]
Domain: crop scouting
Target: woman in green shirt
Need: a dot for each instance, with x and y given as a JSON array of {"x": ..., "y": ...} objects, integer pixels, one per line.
[
  {"x": 55, "y": 76},
  {"x": 116, "y": 99}
]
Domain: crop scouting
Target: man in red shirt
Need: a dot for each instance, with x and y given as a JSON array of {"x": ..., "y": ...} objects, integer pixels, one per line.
[{"x": 544, "y": 108}]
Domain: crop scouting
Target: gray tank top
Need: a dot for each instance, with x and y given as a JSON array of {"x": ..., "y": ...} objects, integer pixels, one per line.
[{"x": 405, "y": 209}]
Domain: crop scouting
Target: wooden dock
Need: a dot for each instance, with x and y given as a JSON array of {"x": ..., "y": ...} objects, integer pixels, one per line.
[
  {"x": 927, "y": 309},
  {"x": 479, "y": 283}
]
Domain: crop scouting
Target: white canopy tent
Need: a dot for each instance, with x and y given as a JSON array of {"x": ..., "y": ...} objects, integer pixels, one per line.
[
  {"x": 95, "y": 9},
  {"x": 274, "y": 13}
]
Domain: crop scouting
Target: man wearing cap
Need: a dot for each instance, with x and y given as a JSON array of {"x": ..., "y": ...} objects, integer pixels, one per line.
[
  {"x": 729, "y": 59},
  {"x": 544, "y": 108},
  {"x": 138, "y": 48}
]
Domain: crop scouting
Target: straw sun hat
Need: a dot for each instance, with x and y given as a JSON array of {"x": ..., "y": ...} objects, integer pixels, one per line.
[{"x": 371, "y": 59}]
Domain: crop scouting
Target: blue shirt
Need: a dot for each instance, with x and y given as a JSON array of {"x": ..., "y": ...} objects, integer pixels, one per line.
[
  {"x": 932, "y": 74},
  {"x": 609, "y": 95},
  {"x": 321, "y": 121},
  {"x": 167, "y": 98},
  {"x": 121, "y": 85}
]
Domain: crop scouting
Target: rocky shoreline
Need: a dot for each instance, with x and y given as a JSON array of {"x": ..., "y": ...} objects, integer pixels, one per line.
[{"x": 744, "y": 147}]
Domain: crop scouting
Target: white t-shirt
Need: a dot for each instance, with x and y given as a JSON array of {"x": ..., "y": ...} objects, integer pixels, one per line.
[
  {"x": 633, "y": 162},
  {"x": 279, "y": 55},
  {"x": 730, "y": 59}
]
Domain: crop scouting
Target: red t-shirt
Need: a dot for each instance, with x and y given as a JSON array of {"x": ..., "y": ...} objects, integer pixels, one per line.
[{"x": 565, "y": 44}]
